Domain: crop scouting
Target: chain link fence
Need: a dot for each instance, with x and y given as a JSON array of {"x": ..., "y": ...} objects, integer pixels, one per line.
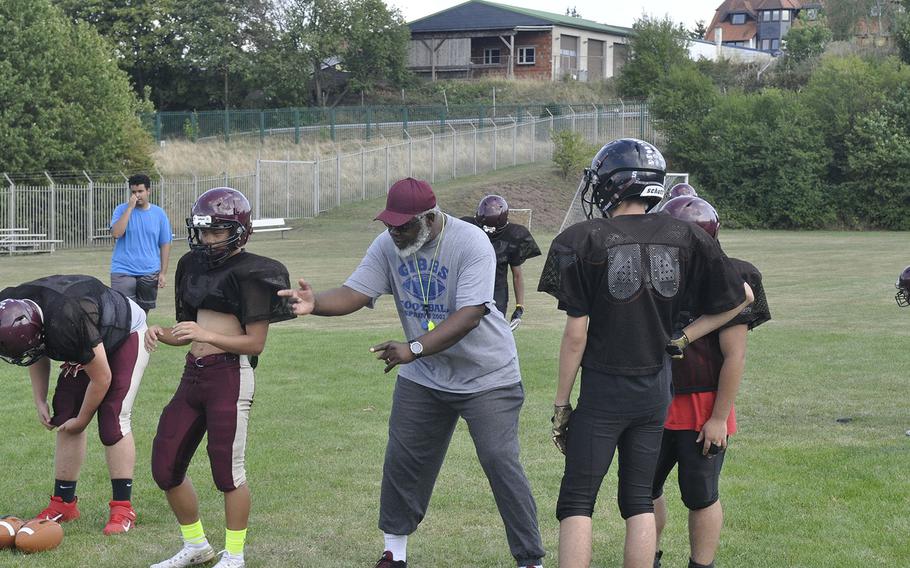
[{"x": 78, "y": 211}]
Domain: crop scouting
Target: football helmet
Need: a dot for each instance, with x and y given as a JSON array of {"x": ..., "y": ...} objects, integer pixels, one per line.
[
  {"x": 220, "y": 208},
  {"x": 21, "y": 332},
  {"x": 695, "y": 210},
  {"x": 492, "y": 214},
  {"x": 623, "y": 168},
  {"x": 903, "y": 288},
  {"x": 681, "y": 189}
]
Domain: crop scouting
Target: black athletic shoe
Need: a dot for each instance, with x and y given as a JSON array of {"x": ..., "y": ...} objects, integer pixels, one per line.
[
  {"x": 386, "y": 561},
  {"x": 657, "y": 556}
]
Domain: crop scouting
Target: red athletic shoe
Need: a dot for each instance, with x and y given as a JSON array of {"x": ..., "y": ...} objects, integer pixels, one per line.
[
  {"x": 122, "y": 519},
  {"x": 386, "y": 561},
  {"x": 59, "y": 511}
]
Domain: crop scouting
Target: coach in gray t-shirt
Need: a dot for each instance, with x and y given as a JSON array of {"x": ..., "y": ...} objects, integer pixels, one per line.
[{"x": 459, "y": 359}]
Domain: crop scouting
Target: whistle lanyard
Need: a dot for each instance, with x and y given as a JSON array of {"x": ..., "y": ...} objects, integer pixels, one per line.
[{"x": 428, "y": 325}]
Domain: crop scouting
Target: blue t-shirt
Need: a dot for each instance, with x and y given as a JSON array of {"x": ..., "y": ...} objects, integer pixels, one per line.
[
  {"x": 138, "y": 251},
  {"x": 462, "y": 275}
]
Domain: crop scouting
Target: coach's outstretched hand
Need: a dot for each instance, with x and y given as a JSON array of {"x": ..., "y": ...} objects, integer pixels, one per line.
[
  {"x": 560, "y": 422},
  {"x": 393, "y": 353},
  {"x": 303, "y": 300}
]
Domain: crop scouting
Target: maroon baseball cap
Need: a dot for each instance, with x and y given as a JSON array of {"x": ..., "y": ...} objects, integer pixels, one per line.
[{"x": 407, "y": 198}]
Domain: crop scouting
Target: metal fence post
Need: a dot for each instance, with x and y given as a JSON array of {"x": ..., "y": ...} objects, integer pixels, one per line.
[
  {"x": 410, "y": 153},
  {"x": 296, "y": 126},
  {"x": 12, "y": 201},
  {"x": 514, "y": 142},
  {"x": 332, "y": 121},
  {"x": 258, "y": 214},
  {"x": 363, "y": 176},
  {"x": 475, "y": 149},
  {"x": 369, "y": 120},
  {"x": 454, "y": 152},
  {"x": 158, "y": 128},
  {"x": 91, "y": 207},
  {"x": 261, "y": 126},
  {"x": 287, "y": 187},
  {"x": 387, "y": 152},
  {"x": 495, "y": 151},
  {"x": 227, "y": 126},
  {"x": 432, "y": 155},
  {"x": 641, "y": 121},
  {"x": 337, "y": 179},
  {"x": 316, "y": 187},
  {"x": 534, "y": 139},
  {"x": 52, "y": 234}
]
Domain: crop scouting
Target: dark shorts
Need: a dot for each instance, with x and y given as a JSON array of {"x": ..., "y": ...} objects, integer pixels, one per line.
[
  {"x": 127, "y": 364},
  {"x": 142, "y": 289},
  {"x": 214, "y": 397},
  {"x": 699, "y": 475},
  {"x": 593, "y": 437}
]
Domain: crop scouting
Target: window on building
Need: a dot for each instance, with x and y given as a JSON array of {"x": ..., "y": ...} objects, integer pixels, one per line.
[
  {"x": 526, "y": 55},
  {"x": 766, "y": 15},
  {"x": 785, "y": 15},
  {"x": 775, "y": 44},
  {"x": 738, "y": 19},
  {"x": 775, "y": 15},
  {"x": 491, "y": 56},
  {"x": 812, "y": 14},
  {"x": 765, "y": 44}
]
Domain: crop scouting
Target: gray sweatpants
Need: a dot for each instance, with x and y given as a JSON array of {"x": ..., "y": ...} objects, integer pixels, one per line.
[{"x": 420, "y": 428}]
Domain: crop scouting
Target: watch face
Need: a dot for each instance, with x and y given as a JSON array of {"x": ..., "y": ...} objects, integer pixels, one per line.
[{"x": 416, "y": 347}]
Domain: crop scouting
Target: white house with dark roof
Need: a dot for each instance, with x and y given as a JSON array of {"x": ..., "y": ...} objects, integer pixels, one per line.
[{"x": 480, "y": 38}]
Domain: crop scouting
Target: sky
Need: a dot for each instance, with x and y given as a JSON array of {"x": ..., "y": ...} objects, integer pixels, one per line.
[{"x": 613, "y": 12}]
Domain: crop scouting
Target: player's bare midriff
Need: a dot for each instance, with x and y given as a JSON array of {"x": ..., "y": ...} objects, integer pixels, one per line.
[{"x": 217, "y": 322}]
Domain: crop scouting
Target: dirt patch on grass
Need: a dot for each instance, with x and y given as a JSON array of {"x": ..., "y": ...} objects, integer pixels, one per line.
[{"x": 538, "y": 187}]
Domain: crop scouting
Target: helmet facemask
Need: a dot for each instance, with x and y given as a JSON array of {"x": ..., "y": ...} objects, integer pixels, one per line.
[{"x": 217, "y": 252}]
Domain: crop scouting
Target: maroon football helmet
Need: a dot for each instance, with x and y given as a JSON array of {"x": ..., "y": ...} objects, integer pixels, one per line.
[
  {"x": 696, "y": 210},
  {"x": 681, "y": 189},
  {"x": 492, "y": 214},
  {"x": 21, "y": 332},
  {"x": 220, "y": 208},
  {"x": 903, "y": 288}
]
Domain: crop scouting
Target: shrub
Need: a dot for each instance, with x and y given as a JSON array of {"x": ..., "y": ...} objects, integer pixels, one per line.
[{"x": 571, "y": 153}]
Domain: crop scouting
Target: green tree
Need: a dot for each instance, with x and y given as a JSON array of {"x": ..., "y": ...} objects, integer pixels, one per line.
[
  {"x": 902, "y": 31},
  {"x": 657, "y": 46},
  {"x": 699, "y": 30},
  {"x": 376, "y": 50},
  {"x": 66, "y": 105},
  {"x": 806, "y": 39}
]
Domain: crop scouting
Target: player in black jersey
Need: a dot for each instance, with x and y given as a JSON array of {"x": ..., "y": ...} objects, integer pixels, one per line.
[
  {"x": 97, "y": 333},
  {"x": 513, "y": 245},
  {"x": 225, "y": 300},
  {"x": 622, "y": 281},
  {"x": 701, "y": 416},
  {"x": 902, "y": 296}
]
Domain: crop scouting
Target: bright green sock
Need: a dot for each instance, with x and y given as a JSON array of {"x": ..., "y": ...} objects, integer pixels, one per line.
[
  {"x": 233, "y": 541},
  {"x": 193, "y": 534}
]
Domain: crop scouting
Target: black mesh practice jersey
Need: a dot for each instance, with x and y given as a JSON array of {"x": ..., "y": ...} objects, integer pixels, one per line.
[
  {"x": 632, "y": 275},
  {"x": 699, "y": 370},
  {"x": 245, "y": 285},
  {"x": 79, "y": 313},
  {"x": 513, "y": 245}
]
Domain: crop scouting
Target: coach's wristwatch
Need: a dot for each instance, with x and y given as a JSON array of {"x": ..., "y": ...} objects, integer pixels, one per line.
[{"x": 416, "y": 349}]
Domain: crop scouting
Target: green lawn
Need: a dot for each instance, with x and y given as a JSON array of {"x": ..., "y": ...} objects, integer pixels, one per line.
[{"x": 800, "y": 489}]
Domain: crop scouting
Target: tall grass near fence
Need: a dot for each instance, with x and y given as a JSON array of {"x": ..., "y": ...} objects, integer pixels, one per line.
[{"x": 77, "y": 212}]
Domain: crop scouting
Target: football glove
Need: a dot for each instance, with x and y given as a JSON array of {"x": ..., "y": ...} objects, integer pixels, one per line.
[
  {"x": 560, "y": 422},
  {"x": 677, "y": 344},
  {"x": 516, "y": 317}
]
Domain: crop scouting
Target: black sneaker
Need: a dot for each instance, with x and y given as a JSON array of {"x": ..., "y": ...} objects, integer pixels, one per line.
[
  {"x": 386, "y": 561},
  {"x": 657, "y": 556}
]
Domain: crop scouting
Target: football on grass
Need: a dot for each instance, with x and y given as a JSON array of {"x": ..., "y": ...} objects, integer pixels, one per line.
[
  {"x": 9, "y": 525},
  {"x": 39, "y": 535}
]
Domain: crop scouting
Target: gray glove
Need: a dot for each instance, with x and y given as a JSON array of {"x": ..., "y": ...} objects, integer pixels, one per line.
[{"x": 560, "y": 422}]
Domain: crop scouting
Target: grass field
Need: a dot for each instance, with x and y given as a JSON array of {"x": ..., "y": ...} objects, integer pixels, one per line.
[{"x": 800, "y": 489}]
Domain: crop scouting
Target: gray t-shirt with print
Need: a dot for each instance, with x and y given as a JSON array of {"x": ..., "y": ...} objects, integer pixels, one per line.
[{"x": 461, "y": 275}]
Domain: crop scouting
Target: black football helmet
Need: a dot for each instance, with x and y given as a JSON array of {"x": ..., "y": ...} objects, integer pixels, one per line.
[
  {"x": 220, "y": 208},
  {"x": 903, "y": 288},
  {"x": 492, "y": 214},
  {"x": 21, "y": 332},
  {"x": 623, "y": 168},
  {"x": 695, "y": 210}
]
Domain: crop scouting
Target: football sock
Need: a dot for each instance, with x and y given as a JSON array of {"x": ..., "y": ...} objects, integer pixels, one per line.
[
  {"x": 397, "y": 544},
  {"x": 64, "y": 489},
  {"x": 123, "y": 489},
  {"x": 193, "y": 534},
  {"x": 233, "y": 541},
  {"x": 694, "y": 564}
]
